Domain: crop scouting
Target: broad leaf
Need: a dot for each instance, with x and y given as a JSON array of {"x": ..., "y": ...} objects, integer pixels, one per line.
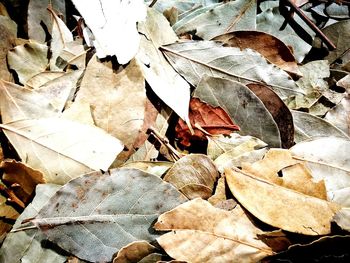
[
  {"x": 95, "y": 215},
  {"x": 203, "y": 233},
  {"x": 119, "y": 107},
  {"x": 62, "y": 149},
  {"x": 327, "y": 158},
  {"x": 194, "y": 175},
  {"x": 245, "y": 109},
  {"x": 193, "y": 59},
  {"x": 276, "y": 205},
  {"x": 163, "y": 79},
  {"x": 31, "y": 245},
  {"x": 308, "y": 126},
  {"x": 227, "y": 17},
  {"x": 113, "y": 24}
]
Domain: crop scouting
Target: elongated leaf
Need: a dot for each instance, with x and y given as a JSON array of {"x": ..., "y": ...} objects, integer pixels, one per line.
[
  {"x": 194, "y": 175},
  {"x": 328, "y": 159},
  {"x": 95, "y": 215},
  {"x": 62, "y": 149},
  {"x": 242, "y": 105},
  {"x": 203, "y": 233},
  {"x": 276, "y": 205},
  {"x": 308, "y": 126},
  {"x": 228, "y": 17},
  {"x": 193, "y": 59},
  {"x": 108, "y": 20},
  {"x": 163, "y": 79},
  {"x": 31, "y": 245}
]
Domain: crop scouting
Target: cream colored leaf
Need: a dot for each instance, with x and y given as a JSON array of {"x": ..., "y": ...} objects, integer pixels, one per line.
[
  {"x": 156, "y": 168},
  {"x": 79, "y": 111},
  {"x": 18, "y": 103},
  {"x": 342, "y": 218},
  {"x": 62, "y": 149},
  {"x": 276, "y": 205},
  {"x": 220, "y": 192},
  {"x": 194, "y": 175},
  {"x": 134, "y": 252},
  {"x": 113, "y": 24},
  {"x": 203, "y": 233},
  {"x": 41, "y": 78},
  {"x": 117, "y": 98},
  {"x": 28, "y": 60},
  {"x": 163, "y": 79},
  {"x": 8, "y": 32}
]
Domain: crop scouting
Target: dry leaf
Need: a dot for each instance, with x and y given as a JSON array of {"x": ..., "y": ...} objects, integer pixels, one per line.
[
  {"x": 62, "y": 149},
  {"x": 203, "y": 233},
  {"x": 220, "y": 192},
  {"x": 8, "y": 32},
  {"x": 7, "y": 214},
  {"x": 203, "y": 116},
  {"x": 194, "y": 175},
  {"x": 276, "y": 205},
  {"x": 134, "y": 252}
]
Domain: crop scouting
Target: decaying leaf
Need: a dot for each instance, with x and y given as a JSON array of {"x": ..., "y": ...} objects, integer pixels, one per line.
[
  {"x": 87, "y": 217},
  {"x": 276, "y": 205},
  {"x": 203, "y": 233},
  {"x": 35, "y": 57},
  {"x": 273, "y": 49},
  {"x": 194, "y": 175},
  {"x": 8, "y": 31},
  {"x": 134, "y": 252},
  {"x": 108, "y": 20},
  {"x": 7, "y": 214},
  {"x": 227, "y": 17},
  {"x": 23, "y": 176},
  {"x": 203, "y": 116},
  {"x": 78, "y": 148},
  {"x": 244, "y": 108},
  {"x": 118, "y": 107},
  {"x": 328, "y": 159},
  {"x": 31, "y": 245}
]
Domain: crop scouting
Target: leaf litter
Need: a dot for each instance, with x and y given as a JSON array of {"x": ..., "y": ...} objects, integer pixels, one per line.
[{"x": 192, "y": 131}]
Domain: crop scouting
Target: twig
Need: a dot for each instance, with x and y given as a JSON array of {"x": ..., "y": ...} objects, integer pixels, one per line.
[
  {"x": 153, "y": 3},
  {"x": 314, "y": 28}
]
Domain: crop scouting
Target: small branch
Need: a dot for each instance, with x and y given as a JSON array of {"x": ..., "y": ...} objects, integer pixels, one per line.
[
  {"x": 314, "y": 28},
  {"x": 11, "y": 196}
]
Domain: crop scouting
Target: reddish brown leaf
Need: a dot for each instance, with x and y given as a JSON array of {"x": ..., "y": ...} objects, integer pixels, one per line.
[{"x": 205, "y": 119}]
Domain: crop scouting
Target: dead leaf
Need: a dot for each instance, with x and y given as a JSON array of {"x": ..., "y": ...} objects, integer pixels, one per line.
[
  {"x": 8, "y": 32},
  {"x": 156, "y": 168},
  {"x": 134, "y": 252},
  {"x": 24, "y": 177},
  {"x": 203, "y": 233},
  {"x": 220, "y": 192},
  {"x": 194, "y": 175},
  {"x": 203, "y": 116},
  {"x": 7, "y": 214},
  {"x": 276, "y": 205},
  {"x": 78, "y": 148},
  {"x": 273, "y": 49}
]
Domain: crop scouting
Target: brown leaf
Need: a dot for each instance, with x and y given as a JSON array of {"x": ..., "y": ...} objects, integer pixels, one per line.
[
  {"x": 204, "y": 119},
  {"x": 203, "y": 233},
  {"x": 194, "y": 175},
  {"x": 273, "y": 49},
  {"x": 8, "y": 32},
  {"x": 23, "y": 176},
  {"x": 6, "y": 213},
  {"x": 134, "y": 252},
  {"x": 279, "y": 206}
]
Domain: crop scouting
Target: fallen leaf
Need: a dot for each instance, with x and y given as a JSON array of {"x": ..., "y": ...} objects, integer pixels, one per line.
[
  {"x": 308, "y": 126},
  {"x": 194, "y": 59},
  {"x": 119, "y": 107},
  {"x": 23, "y": 176},
  {"x": 42, "y": 78},
  {"x": 220, "y": 19},
  {"x": 86, "y": 218},
  {"x": 279, "y": 167},
  {"x": 203, "y": 233},
  {"x": 39, "y": 19},
  {"x": 279, "y": 111},
  {"x": 244, "y": 108},
  {"x": 273, "y": 49},
  {"x": 109, "y": 21},
  {"x": 7, "y": 214},
  {"x": 169, "y": 86},
  {"x": 156, "y": 168},
  {"x": 203, "y": 116},
  {"x": 78, "y": 148},
  {"x": 328, "y": 159},
  {"x": 8, "y": 32},
  {"x": 134, "y": 252},
  {"x": 19, "y": 103},
  {"x": 194, "y": 175},
  {"x": 342, "y": 218},
  {"x": 31, "y": 245},
  {"x": 79, "y": 111},
  {"x": 220, "y": 192},
  {"x": 35, "y": 57},
  {"x": 276, "y": 205}
]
